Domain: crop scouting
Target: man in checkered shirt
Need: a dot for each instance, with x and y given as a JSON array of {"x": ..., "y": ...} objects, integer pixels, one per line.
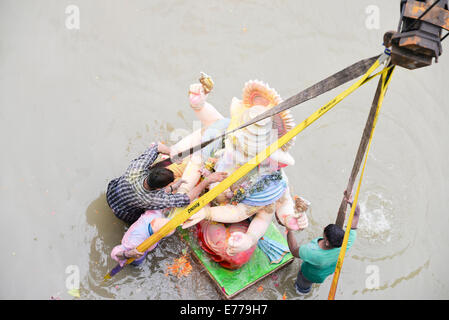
[{"x": 142, "y": 188}]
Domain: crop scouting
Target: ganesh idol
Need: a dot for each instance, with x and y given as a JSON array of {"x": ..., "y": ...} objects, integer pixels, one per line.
[{"x": 231, "y": 227}]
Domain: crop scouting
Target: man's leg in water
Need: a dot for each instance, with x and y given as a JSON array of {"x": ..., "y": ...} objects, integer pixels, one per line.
[{"x": 302, "y": 284}]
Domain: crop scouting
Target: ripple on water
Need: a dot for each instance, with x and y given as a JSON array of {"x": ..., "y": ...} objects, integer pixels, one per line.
[{"x": 376, "y": 220}]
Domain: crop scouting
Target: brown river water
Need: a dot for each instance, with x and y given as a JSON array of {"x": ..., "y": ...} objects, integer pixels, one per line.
[{"x": 77, "y": 104}]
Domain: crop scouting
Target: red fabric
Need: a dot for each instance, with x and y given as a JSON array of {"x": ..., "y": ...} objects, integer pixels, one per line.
[{"x": 213, "y": 238}]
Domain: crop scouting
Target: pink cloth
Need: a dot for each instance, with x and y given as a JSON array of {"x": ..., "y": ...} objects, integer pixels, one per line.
[{"x": 136, "y": 234}]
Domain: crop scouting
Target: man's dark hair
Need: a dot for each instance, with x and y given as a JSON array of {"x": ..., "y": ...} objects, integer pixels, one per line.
[
  {"x": 334, "y": 235},
  {"x": 159, "y": 178}
]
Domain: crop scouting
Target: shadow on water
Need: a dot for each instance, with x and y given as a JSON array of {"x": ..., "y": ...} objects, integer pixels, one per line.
[{"x": 108, "y": 232}]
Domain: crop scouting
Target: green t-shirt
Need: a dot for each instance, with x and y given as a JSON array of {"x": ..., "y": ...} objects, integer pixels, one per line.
[{"x": 318, "y": 263}]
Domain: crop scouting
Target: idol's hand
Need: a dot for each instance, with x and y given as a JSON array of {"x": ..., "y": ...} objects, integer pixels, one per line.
[
  {"x": 239, "y": 242},
  {"x": 216, "y": 177},
  {"x": 298, "y": 222},
  {"x": 294, "y": 222},
  {"x": 197, "y": 96},
  {"x": 193, "y": 220},
  {"x": 162, "y": 148}
]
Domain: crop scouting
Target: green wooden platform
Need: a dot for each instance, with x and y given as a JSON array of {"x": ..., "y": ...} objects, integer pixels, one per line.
[{"x": 232, "y": 282}]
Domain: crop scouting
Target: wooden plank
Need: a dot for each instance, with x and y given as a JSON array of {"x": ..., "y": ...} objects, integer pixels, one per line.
[
  {"x": 359, "y": 156},
  {"x": 232, "y": 296},
  {"x": 230, "y": 283}
]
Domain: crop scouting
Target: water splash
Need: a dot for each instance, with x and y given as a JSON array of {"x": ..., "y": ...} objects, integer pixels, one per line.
[{"x": 376, "y": 217}]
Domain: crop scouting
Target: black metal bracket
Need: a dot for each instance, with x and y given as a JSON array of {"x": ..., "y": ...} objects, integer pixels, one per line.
[{"x": 418, "y": 39}]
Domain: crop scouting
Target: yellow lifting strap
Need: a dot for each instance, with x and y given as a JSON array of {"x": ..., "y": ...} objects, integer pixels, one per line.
[
  {"x": 386, "y": 78},
  {"x": 182, "y": 214}
]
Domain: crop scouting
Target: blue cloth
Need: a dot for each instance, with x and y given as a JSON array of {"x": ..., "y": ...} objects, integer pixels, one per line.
[
  {"x": 273, "y": 191},
  {"x": 150, "y": 228},
  {"x": 273, "y": 249}
]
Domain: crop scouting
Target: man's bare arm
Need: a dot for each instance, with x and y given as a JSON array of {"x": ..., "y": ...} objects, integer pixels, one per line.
[
  {"x": 355, "y": 219},
  {"x": 214, "y": 177},
  {"x": 292, "y": 244}
]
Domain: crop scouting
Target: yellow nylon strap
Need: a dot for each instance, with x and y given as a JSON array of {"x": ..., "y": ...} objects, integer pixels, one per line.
[
  {"x": 341, "y": 257},
  {"x": 182, "y": 214}
]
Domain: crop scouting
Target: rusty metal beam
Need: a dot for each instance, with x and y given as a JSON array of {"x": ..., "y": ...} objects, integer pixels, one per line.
[
  {"x": 408, "y": 59},
  {"x": 419, "y": 39},
  {"x": 437, "y": 16}
]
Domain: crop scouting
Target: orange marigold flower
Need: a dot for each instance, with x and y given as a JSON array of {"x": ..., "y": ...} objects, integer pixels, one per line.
[{"x": 180, "y": 267}]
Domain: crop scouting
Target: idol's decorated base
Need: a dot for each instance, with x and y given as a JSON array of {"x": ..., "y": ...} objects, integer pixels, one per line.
[{"x": 231, "y": 282}]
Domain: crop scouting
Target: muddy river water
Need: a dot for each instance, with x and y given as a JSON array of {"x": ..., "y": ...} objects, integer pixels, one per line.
[{"x": 81, "y": 98}]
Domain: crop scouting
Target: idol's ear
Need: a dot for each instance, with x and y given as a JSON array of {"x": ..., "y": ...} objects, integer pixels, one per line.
[
  {"x": 257, "y": 92},
  {"x": 236, "y": 108}
]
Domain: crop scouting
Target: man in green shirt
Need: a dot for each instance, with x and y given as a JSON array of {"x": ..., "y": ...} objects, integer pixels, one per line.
[{"x": 320, "y": 255}]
